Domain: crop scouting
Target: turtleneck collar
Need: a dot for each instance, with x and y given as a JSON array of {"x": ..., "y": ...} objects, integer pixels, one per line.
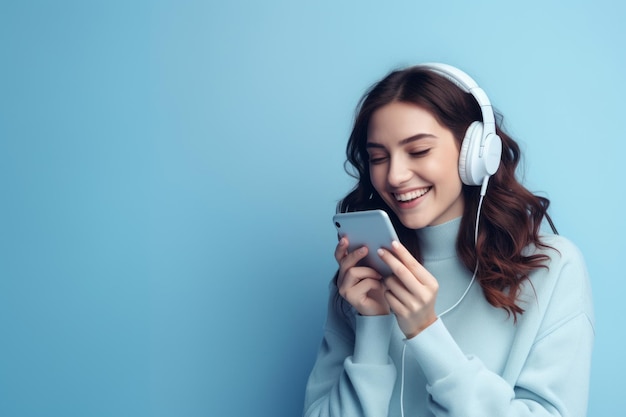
[{"x": 439, "y": 242}]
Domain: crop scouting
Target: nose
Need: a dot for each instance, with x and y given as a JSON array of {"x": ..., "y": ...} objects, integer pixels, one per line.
[{"x": 399, "y": 172}]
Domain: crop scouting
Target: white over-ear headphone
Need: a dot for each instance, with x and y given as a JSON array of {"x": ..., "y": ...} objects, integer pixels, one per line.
[{"x": 482, "y": 147}]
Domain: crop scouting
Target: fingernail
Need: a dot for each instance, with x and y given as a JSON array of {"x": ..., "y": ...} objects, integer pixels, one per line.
[
  {"x": 362, "y": 250},
  {"x": 381, "y": 252},
  {"x": 395, "y": 244}
]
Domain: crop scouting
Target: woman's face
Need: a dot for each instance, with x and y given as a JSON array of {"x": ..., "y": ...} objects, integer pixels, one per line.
[{"x": 414, "y": 165}]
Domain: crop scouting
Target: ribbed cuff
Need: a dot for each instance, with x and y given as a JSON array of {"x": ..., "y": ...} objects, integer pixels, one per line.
[
  {"x": 436, "y": 351},
  {"x": 373, "y": 334}
]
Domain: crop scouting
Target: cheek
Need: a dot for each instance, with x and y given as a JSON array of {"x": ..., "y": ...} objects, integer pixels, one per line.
[
  {"x": 378, "y": 177},
  {"x": 447, "y": 168}
]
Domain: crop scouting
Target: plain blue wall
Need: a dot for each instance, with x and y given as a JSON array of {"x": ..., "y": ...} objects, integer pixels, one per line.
[{"x": 168, "y": 171}]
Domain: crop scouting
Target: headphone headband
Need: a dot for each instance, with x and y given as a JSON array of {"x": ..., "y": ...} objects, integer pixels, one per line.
[{"x": 467, "y": 84}]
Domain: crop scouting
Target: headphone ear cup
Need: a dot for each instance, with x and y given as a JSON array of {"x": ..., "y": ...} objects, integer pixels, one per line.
[
  {"x": 492, "y": 153},
  {"x": 469, "y": 157}
]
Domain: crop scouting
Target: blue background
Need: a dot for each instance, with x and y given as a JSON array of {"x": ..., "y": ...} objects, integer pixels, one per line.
[{"x": 168, "y": 171}]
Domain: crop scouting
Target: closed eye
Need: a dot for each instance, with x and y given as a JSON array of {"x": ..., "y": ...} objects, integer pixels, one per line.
[
  {"x": 374, "y": 160},
  {"x": 418, "y": 154}
]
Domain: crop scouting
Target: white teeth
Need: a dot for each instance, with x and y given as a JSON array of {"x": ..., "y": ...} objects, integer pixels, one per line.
[{"x": 411, "y": 195}]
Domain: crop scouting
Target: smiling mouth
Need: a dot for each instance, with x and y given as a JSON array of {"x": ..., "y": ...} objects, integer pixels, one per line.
[{"x": 411, "y": 195}]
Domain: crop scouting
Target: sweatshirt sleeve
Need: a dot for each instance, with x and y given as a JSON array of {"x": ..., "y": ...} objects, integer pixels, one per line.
[
  {"x": 353, "y": 374},
  {"x": 554, "y": 378}
]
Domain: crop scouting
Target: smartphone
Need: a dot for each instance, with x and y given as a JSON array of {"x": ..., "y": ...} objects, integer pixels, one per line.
[{"x": 371, "y": 228}]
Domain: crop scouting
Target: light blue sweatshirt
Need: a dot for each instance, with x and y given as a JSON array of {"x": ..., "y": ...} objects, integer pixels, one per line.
[{"x": 474, "y": 360}]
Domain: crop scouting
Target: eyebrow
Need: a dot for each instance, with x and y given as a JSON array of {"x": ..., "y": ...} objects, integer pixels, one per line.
[{"x": 403, "y": 141}]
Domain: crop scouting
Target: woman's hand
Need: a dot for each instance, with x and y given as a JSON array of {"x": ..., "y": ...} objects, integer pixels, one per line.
[
  {"x": 361, "y": 286},
  {"x": 411, "y": 290}
]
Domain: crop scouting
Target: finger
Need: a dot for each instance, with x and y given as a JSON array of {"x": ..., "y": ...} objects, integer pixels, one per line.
[
  {"x": 352, "y": 258},
  {"x": 411, "y": 301},
  {"x": 367, "y": 297},
  {"x": 348, "y": 263},
  {"x": 362, "y": 289},
  {"x": 409, "y": 261},
  {"x": 356, "y": 274},
  {"x": 357, "y": 282},
  {"x": 342, "y": 249},
  {"x": 401, "y": 272},
  {"x": 395, "y": 304},
  {"x": 403, "y": 254},
  {"x": 397, "y": 288}
]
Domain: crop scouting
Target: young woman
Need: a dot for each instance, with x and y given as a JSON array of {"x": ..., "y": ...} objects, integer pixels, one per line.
[{"x": 485, "y": 313}]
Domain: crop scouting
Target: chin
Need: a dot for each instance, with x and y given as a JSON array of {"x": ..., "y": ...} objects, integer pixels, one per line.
[{"x": 413, "y": 221}]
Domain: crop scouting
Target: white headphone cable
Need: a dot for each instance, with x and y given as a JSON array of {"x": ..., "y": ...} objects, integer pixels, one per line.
[{"x": 480, "y": 204}]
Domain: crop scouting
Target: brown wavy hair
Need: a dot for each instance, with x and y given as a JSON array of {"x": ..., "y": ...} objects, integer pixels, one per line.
[{"x": 511, "y": 215}]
